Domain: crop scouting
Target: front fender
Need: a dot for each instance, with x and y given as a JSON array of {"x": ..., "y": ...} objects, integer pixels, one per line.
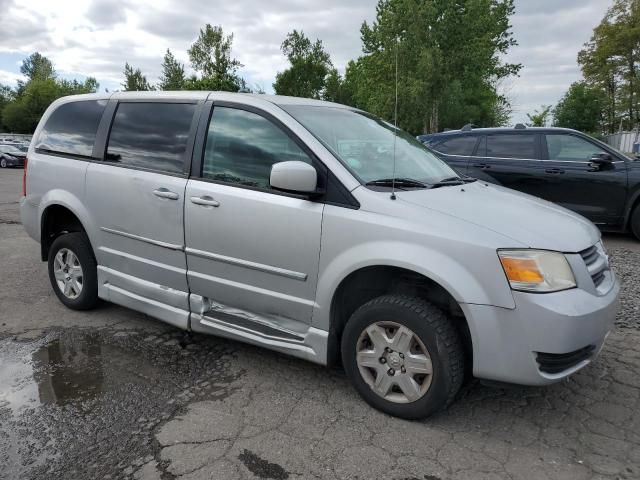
[{"x": 490, "y": 288}]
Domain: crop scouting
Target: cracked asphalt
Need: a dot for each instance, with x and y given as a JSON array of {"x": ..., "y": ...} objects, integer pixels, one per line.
[{"x": 111, "y": 394}]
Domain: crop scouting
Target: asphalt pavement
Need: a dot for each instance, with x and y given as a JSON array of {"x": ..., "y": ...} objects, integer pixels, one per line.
[{"x": 111, "y": 394}]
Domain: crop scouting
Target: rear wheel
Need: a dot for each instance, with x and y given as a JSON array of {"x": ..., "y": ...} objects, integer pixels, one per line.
[
  {"x": 72, "y": 271},
  {"x": 3, "y": 163},
  {"x": 635, "y": 222},
  {"x": 403, "y": 356}
]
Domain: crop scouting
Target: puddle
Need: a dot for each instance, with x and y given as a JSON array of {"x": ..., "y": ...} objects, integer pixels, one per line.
[
  {"x": 60, "y": 371},
  {"x": 84, "y": 404}
]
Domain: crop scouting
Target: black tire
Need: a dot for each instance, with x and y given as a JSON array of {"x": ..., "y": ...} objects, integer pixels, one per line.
[
  {"x": 78, "y": 243},
  {"x": 3, "y": 163},
  {"x": 634, "y": 223},
  {"x": 437, "y": 334}
]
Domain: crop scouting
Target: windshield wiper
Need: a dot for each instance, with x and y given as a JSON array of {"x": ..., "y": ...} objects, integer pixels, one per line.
[
  {"x": 399, "y": 182},
  {"x": 448, "y": 182}
]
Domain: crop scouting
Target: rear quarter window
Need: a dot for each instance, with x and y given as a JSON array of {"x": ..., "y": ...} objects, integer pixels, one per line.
[{"x": 71, "y": 128}]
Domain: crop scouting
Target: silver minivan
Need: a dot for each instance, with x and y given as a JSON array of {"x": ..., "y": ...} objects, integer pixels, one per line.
[{"x": 316, "y": 230}]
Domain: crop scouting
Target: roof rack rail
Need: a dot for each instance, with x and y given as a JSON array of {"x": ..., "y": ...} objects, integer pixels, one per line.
[
  {"x": 468, "y": 127},
  {"x": 520, "y": 126}
]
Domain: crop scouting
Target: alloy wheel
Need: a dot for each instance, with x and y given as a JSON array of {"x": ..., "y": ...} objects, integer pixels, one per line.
[{"x": 68, "y": 273}]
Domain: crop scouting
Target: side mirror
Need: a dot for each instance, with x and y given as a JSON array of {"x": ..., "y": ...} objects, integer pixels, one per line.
[
  {"x": 601, "y": 161},
  {"x": 294, "y": 177},
  {"x": 601, "y": 158}
]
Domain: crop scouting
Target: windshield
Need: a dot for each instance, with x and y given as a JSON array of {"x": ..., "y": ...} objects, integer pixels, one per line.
[
  {"x": 364, "y": 144},
  {"x": 9, "y": 149}
]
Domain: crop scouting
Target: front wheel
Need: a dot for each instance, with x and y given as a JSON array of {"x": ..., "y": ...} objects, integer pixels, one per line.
[
  {"x": 3, "y": 163},
  {"x": 73, "y": 272},
  {"x": 403, "y": 356}
]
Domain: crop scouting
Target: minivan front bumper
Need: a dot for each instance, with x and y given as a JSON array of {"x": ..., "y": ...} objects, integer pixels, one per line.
[{"x": 546, "y": 338}]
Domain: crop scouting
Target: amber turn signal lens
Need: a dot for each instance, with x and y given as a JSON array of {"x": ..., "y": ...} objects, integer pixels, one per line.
[{"x": 522, "y": 270}]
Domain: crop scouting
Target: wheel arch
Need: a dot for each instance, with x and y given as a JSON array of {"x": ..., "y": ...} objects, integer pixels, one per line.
[
  {"x": 632, "y": 204},
  {"x": 58, "y": 217},
  {"x": 369, "y": 282}
]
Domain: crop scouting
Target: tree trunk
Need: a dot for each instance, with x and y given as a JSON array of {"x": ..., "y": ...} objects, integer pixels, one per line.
[
  {"x": 612, "y": 104},
  {"x": 632, "y": 75},
  {"x": 434, "y": 118}
]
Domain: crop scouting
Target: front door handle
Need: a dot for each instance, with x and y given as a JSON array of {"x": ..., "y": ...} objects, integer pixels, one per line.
[
  {"x": 482, "y": 166},
  {"x": 554, "y": 171},
  {"x": 205, "y": 201},
  {"x": 164, "y": 193}
]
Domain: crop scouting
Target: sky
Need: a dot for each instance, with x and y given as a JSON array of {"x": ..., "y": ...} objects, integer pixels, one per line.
[{"x": 96, "y": 37}]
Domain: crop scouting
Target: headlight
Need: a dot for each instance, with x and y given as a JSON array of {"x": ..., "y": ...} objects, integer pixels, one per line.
[{"x": 537, "y": 270}]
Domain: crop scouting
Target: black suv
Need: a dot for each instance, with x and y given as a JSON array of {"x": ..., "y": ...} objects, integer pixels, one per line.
[{"x": 560, "y": 165}]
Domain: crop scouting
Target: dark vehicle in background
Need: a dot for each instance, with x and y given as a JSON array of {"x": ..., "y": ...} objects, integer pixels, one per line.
[
  {"x": 11, "y": 156},
  {"x": 563, "y": 166}
]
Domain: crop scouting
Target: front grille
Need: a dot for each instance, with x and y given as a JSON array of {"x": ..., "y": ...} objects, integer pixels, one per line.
[
  {"x": 596, "y": 262},
  {"x": 559, "y": 362},
  {"x": 590, "y": 255}
]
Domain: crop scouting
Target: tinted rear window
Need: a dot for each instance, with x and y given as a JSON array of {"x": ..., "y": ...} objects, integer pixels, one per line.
[
  {"x": 152, "y": 136},
  {"x": 511, "y": 146},
  {"x": 72, "y": 128},
  {"x": 456, "y": 146}
]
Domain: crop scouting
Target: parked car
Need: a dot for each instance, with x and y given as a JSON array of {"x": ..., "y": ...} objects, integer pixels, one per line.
[
  {"x": 563, "y": 166},
  {"x": 11, "y": 156},
  {"x": 324, "y": 233}
]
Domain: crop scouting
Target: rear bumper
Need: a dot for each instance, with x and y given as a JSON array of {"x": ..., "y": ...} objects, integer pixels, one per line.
[
  {"x": 546, "y": 338},
  {"x": 30, "y": 218}
]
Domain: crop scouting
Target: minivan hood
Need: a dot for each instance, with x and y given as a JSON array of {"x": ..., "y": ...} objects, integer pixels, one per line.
[{"x": 524, "y": 218}]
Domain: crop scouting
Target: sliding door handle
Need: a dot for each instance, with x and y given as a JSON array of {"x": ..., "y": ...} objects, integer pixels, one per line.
[
  {"x": 205, "y": 201},
  {"x": 164, "y": 193}
]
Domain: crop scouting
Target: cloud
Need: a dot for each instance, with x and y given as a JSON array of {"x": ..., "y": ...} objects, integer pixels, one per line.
[
  {"x": 550, "y": 35},
  {"x": 96, "y": 37},
  {"x": 106, "y": 13},
  {"x": 10, "y": 78}
]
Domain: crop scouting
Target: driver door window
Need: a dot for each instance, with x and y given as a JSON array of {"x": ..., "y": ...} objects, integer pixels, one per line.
[
  {"x": 569, "y": 148},
  {"x": 242, "y": 146}
]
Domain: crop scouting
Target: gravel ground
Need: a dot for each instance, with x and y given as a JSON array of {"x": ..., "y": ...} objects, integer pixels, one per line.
[{"x": 626, "y": 264}]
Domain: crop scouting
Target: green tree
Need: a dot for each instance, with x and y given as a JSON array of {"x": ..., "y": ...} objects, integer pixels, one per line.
[
  {"x": 23, "y": 114},
  {"x": 310, "y": 66},
  {"x": 336, "y": 88},
  {"x": 450, "y": 62},
  {"x": 134, "y": 80},
  {"x": 37, "y": 66},
  {"x": 210, "y": 56},
  {"x": 173, "y": 77},
  {"x": 7, "y": 95},
  {"x": 611, "y": 62},
  {"x": 581, "y": 108},
  {"x": 540, "y": 117}
]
